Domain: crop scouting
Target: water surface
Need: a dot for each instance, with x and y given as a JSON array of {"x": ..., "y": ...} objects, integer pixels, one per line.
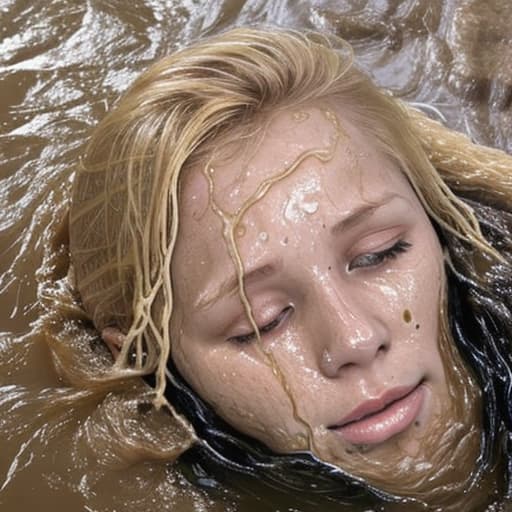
[{"x": 62, "y": 64}]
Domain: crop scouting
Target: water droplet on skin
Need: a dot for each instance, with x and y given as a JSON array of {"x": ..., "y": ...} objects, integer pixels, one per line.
[
  {"x": 326, "y": 357},
  {"x": 407, "y": 316},
  {"x": 284, "y": 241},
  {"x": 263, "y": 236},
  {"x": 235, "y": 192},
  {"x": 298, "y": 205},
  {"x": 299, "y": 442},
  {"x": 310, "y": 207},
  {"x": 300, "y": 116},
  {"x": 240, "y": 231}
]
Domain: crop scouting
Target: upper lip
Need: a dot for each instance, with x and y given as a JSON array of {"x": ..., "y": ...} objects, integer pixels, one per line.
[{"x": 375, "y": 405}]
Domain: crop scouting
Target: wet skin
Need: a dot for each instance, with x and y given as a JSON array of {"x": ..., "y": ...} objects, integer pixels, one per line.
[{"x": 343, "y": 273}]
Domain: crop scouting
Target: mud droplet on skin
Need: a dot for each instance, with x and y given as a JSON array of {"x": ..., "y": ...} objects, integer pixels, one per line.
[
  {"x": 417, "y": 326},
  {"x": 407, "y": 316}
]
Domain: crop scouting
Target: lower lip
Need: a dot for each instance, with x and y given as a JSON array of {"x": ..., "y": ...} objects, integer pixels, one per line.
[{"x": 387, "y": 423}]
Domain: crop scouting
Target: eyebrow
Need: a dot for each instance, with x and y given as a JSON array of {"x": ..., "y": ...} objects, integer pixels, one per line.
[
  {"x": 230, "y": 285},
  {"x": 356, "y": 217}
]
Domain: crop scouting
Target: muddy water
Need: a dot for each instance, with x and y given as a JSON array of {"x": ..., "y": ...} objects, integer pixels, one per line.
[{"x": 62, "y": 64}]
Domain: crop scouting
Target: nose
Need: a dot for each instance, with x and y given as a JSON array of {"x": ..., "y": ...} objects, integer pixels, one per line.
[{"x": 352, "y": 333}]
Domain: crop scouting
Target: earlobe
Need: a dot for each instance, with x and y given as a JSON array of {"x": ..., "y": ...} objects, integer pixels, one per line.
[{"x": 114, "y": 339}]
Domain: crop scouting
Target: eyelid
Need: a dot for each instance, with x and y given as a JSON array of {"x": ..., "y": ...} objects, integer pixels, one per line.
[
  {"x": 264, "y": 329},
  {"x": 377, "y": 241},
  {"x": 392, "y": 251}
]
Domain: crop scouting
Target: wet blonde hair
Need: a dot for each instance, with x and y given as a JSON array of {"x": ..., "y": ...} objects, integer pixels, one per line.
[{"x": 123, "y": 221}]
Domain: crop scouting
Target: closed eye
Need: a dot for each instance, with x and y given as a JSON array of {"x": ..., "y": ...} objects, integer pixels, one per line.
[
  {"x": 373, "y": 259},
  {"x": 265, "y": 329}
]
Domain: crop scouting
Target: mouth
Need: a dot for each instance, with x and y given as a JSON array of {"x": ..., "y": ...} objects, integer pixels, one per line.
[{"x": 377, "y": 420}]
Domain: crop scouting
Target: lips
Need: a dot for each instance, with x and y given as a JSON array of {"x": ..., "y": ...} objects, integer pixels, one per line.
[{"x": 377, "y": 420}]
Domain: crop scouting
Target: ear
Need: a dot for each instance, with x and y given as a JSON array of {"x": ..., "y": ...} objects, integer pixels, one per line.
[{"x": 114, "y": 339}]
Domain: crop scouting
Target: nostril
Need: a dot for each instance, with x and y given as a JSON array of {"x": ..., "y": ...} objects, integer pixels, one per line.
[
  {"x": 382, "y": 349},
  {"x": 344, "y": 355}
]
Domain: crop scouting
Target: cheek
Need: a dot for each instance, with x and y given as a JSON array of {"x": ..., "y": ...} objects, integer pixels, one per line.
[
  {"x": 407, "y": 300},
  {"x": 412, "y": 292},
  {"x": 297, "y": 353},
  {"x": 414, "y": 305},
  {"x": 421, "y": 311},
  {"x": 404, "y": 300},
  {"x": 242, "y": 390}
]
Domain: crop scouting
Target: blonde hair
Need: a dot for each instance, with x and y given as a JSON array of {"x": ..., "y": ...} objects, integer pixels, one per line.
[{"x": 123, "y": 221}]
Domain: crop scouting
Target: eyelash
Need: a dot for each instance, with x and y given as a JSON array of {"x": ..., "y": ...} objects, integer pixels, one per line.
[
  {"x": 250, "y": 336},
  {"x": 373, "y": 259}
]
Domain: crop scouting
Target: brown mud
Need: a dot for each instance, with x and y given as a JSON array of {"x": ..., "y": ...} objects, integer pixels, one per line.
[{"x": 62, "y": 64}]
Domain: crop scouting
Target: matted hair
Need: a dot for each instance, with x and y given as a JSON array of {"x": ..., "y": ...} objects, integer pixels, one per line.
[{"x": 123, "y": 219}]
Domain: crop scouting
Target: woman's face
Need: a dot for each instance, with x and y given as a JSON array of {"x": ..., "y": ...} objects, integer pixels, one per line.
[{"x": 343, "y": 273}]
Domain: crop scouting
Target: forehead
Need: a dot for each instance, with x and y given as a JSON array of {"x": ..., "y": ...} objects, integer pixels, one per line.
[
  {"x": 237, "y": 167},
  {"x": 300, "y": 168}
]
